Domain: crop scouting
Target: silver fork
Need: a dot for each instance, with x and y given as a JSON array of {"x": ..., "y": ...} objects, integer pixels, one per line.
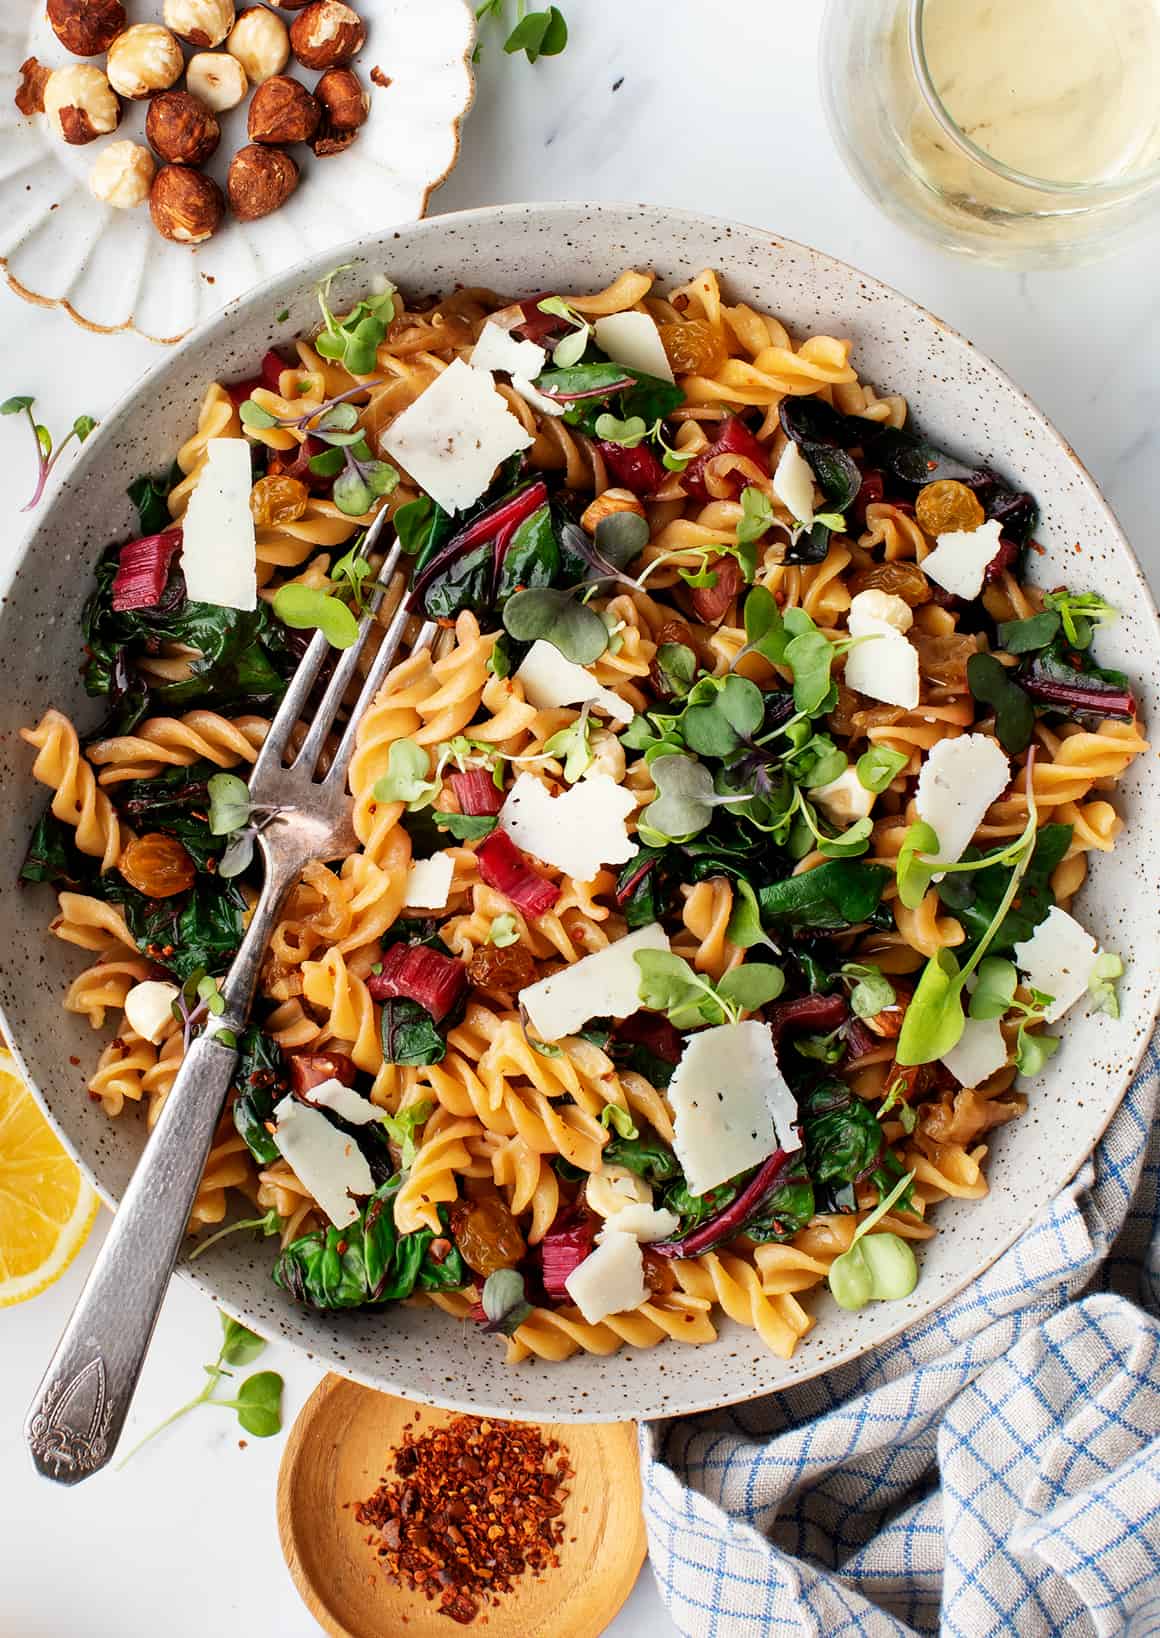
[{"x": 79, "y": 1410}]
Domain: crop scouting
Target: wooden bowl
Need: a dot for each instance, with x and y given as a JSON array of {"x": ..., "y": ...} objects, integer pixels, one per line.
[{"x": 337, "y": 1453}]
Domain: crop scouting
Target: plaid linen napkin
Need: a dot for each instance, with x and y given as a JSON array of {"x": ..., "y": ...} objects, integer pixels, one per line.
[{"x": 994, "y": 1469}]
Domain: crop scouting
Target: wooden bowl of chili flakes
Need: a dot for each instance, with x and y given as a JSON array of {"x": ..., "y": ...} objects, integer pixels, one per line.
[{"x": 400, "y": 1517}]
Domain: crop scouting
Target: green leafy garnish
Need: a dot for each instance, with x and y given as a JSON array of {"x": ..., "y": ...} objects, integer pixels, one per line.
[
  {"x": 689, "y": 999},
  {"x": 558, "y": 618},
  {"x": 619, "y": 1120},
  {"x": 467, "y": 827},
  {"x": 991, "y": 684},
  {"x": 1079, "y": 614},
  {"x": 913, "y": 871},
  {"x": 354, "y": 339},
  {"x": 45, "y": 458},
  {"x": 402, "y": 1127},
  {"x": 571, "y": 747},
  {"x": 306, "y": 608},
  {"x": 267, "y": 1225},
  {"x": 229, "y": 803},
  {"x": 756, "y": 515},
  {"x": 503, "y": 932},
  {"x": 572, "y": 348},
  {"x": 408, "y": 777},
  {"x": 878, "y": 1267},
  {"x": 878, "y": 767},
  {"x": 872, "y": 991},
  {"x": 355, "y": 570},
  {"x": 745, "y": 929},
  {"x": 1102, "y": 983},
  {"x": 684, "y": 802},
  {"x": 538, "y": 34},
  {"x": 259, "y": 1398}
]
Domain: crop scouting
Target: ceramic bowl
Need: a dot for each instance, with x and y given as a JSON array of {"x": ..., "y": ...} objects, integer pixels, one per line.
[
  {"x": 961, "y": 400},
  {"x": 110, "y": 270}
]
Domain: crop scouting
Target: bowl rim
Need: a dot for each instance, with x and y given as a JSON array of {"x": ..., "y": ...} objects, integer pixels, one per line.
[{"x": 366, "y": 247}]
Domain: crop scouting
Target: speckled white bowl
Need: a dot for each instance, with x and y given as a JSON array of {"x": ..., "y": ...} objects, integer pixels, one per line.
[
  {"x": 961, "y": 400},
  {"x": 110, "y": 270}
]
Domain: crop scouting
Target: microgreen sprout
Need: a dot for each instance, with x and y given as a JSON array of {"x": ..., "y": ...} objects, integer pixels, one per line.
[
  {"x": 894, "y": 1103},
  {"x": 46, "y": 455},
  {"x": 232, "y": 814},
  {"x": 259, "y": 1398},
  {"x": 571, "y": 349},
  {"x": 199, "y": 998},
  {"x": 878, "y": 1266},
  {"x": 503, "y": 931},
  {"x": 689, "y": 999},
  {"x": 270, "y": 1224},
  {"x": 536, "y": 33},
  {"x": 359, "y": 478},
  {"x": 353, "y": 340}
]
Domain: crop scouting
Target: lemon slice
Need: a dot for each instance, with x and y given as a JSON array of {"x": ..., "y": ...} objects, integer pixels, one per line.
[{"x": 46, "y": 1207}]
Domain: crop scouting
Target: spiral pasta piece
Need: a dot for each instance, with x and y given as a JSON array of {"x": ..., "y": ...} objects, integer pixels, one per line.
[{"x": 77, "y": 800}]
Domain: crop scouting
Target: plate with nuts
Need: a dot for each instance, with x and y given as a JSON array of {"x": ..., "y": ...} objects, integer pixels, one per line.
[{"x": 162, "y": 156}]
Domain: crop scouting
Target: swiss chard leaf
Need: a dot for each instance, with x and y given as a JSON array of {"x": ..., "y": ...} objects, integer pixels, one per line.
[
  {"x": 259, "y": 1084},
  {"x": 830, "y": 897},
  {"x": 368, "y": 1263},
  {"x": 974, "y": 896},
  {"x": 410, "y": 1034},
  {"x": 992, "y": 684},
  {"x": 150, "y": 496},
  {"x": 648, "y": 1157},
  {"x": 843, "y": 1140}
]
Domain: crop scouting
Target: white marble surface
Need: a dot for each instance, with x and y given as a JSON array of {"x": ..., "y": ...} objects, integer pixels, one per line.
[{"x": 710, "y": 108}]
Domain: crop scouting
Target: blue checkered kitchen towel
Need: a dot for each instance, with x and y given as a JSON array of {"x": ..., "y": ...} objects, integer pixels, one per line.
[{"x": 995, "y": 1469}]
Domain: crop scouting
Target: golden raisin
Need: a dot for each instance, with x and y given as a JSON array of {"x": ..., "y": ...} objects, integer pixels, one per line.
[
  {"x": 492, "y": 968},
  {"x": 905, "y": 580},
  {"x": 943, "y": 660},
  {"x": 659, "y": 1278},
  {"x": 947, "y": 505},
  {"x": 694, "y": 348},
  {"x": 278, "y": 500},
  {"x": 487, "y": 1234},
  {"x": 157, "y": 865}
]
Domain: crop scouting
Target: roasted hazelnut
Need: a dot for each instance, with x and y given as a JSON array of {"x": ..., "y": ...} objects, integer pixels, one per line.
[
  {"x": 122, "y": 174},
  {"x": 80, "y": 103},
  {"x": 326, "y": 33},
  {"x": 86, "y": 27},
  {"x": 201, "y": 22},
  {"x": 217, "y": 79},
  {"x": 145, "y": 59},
  {"x": 260, "y": 181},
  {"x": 260, "y": 43},
  {"x": 612, "y": 500},
  {"x": 34, "y": 77},
  {"x": 180, "y": 129},
  {"x": 282, "y": 110},
  {"x": 327, "y": 141},
  {"x": 341, "y": 94},
  {"x": 186, "y": 205}
]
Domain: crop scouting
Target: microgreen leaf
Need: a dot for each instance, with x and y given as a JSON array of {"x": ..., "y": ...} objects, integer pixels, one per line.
[
  {"x": 571, "y": 746},
  {"x": 1106, "y": 968},
  {"x": 628, "y": 433},
  {"x": 238, "y": 855},
  {"x": 1027, "y": 636},
  {"x": 408, "y": 777},
  {"x": 1079, "y": 613},
  {"x": 503, "y": 931},
  {"x": 765, "y": 631},
  {"x": 669, "y": 985},
  {"x": 328, "y": 462},
  {"x": 879, "y": 766},
  {"x": 756, "y": 515},
  {"x": 991, "y": 684},
  {"x": 229, "y": 803},
  {"x": 538, "y": 34},
  {"x": 620, "y": 537},
  {"x": 258, "y": 1405},
  {"x": 13, "y": 406},
  {"x": 558, "y": 618},
  {"x": 46, "y": 460},
  {"x": 913, "y": 871},
  {"x": 995, "y": 987},
  {"x": 677, "y": 666},
  {"x": 402, "y": 1126},
  {"x": 467, "y": 827},
  {"x": 504, "y": 1301},
  {"x": 240, "y": 1345},
  {"x": 722, "y": 712},
  {"x": 684, "y": 801},
  {"x": 810, "y": 656},
  {"x": 1033, "y": 1051},
  {"x": 745, "y": 929},
  {"x": 253, "y": 415},
  {"x": 872, "y": 992},
  {"x": 304, "y": 607},
  {"x": 269, "y": 1224},
  {"x": 752, "y": 985},
  {"x": 619, "y": 1120}
]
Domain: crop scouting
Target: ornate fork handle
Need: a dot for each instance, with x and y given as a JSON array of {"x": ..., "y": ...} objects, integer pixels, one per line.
[{"x": 80, "y": 1407}]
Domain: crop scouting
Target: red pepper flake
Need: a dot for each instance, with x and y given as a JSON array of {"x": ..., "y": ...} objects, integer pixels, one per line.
[{"x": 473, "y": 1506}]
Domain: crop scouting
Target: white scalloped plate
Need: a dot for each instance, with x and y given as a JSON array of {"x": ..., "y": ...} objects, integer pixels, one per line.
[{"x": 110, "y": 270}]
